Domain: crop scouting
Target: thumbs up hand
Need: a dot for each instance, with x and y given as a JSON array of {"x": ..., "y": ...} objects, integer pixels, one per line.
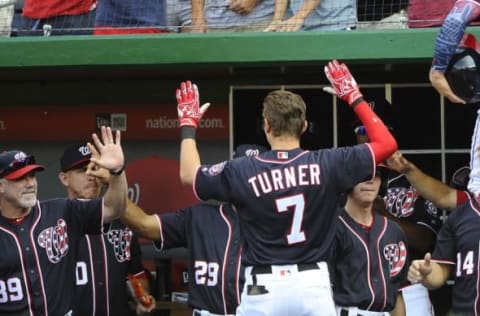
[{"x": 420, "y": 269}]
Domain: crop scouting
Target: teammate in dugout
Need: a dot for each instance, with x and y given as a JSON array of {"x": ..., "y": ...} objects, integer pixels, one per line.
[
  {"x": 370, "y": 261},
  {"x": 418, "y": 217},
  {"x": 286, "y": 197},
  {"x": 104, "y": 260},
  {"x": 39, "y": 238},
  {"x": 456, "y": 249},
  {"x": 212, "y": 236}
]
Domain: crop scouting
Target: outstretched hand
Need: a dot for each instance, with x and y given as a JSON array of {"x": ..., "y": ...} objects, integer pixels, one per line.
[
  {"x": 420, "y": 269},
  {"x": 440, "y": 83},
  {"x": 188, "y": 105},
  {"x": 110, "y": 150},
  {"x": 96, "y": 171},
  {"x": 343, "y": 84},
  {"x": 398, "y": 163}
]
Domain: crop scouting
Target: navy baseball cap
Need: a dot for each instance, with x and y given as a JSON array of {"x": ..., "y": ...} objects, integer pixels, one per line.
[
  {"x": 75, "y": 156},
  {"x": 248, "y": 150},
  {"x": 15, "y": 164},
  {"x": 460, "y": 178}
]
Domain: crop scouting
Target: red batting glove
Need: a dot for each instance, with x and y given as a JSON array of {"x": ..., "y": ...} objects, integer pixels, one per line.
[
  {"x": 343, "y": 84},
  {"x": 188, "y": 105}
]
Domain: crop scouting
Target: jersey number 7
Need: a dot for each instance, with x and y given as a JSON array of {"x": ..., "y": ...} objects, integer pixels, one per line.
[{"x": 297, "y": 203}]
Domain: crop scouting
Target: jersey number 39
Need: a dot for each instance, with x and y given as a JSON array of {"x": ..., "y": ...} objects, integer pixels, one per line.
[{"x": 11, "y": 290}]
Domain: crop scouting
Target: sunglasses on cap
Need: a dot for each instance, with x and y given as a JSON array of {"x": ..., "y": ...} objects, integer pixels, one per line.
[{"x": 16, "y": 164}]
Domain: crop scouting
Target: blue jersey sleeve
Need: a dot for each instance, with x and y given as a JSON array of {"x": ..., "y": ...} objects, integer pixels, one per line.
[
  {"x": 173, "y": 230},
  {"x": 452, "y": 31}
]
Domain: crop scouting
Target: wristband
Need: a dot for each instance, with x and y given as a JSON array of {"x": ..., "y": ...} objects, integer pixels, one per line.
[
  {"x": 187, "y": 132},
  {"x": 356, "y": 102},
  {"x": 118, "y": 172}
]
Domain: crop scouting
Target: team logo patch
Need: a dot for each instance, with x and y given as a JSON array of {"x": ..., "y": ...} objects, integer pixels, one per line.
[
  {"x": 55, "y": 241},
  {"x": 121, "y": 239},
  {"x": 396, "y": 255},
  {"x": 283, "y": 155},
  {"x": 400, "y": 202},
  {"x": 216, "y": 169}
]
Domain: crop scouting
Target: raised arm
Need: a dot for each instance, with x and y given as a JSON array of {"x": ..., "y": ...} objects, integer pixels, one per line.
[
  {"x": 143, "y": 224},
  {"x": 440, "y": 194},
  {"x": 344, "y": 86},
  {"x": 189, "y": 114},
  {"x": 111, "y": 158},
  {"x": 448, "y": 39}
]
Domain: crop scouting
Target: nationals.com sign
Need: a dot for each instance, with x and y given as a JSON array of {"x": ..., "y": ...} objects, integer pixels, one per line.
[{"x": 136, "y": 122}]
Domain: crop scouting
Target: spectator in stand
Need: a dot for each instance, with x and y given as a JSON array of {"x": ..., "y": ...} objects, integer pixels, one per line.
[
  {"x": 6, "y": 16},
  {"x": 131, "y": 17},
  {"x": 231, "y": 15},
  {"x": 179, "y": 15},
  {"x": 423, "y": 13},
  {"x": 303, "y": 15},
  {"x": 55, "y": 17}
]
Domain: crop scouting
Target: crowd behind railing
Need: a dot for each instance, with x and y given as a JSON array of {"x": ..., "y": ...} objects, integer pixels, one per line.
[{"x": 102, "y": 17}]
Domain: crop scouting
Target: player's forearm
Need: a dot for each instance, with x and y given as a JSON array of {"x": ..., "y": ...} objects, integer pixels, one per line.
[
  {"x": 440, "y": 194},
  {"x": 115, "y": 198},
  {"x": 382, "y": 142},
  {"x": 189, "y": 160},
  {"x": 452, "y": 31},
  {"x": 142, "y": 224},
  {"x": 437, "y": 277}
]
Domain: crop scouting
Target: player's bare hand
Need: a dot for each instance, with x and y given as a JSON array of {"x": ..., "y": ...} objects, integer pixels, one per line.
[
  {"x": 440, "y": 83},
  {"x": 96, "y": 171},
  {"x": 420, "y": 269},
  {"x": 398, "y": 163},
  {"x": 109, "y": 149},
  {"x": 343, "y": 84}
]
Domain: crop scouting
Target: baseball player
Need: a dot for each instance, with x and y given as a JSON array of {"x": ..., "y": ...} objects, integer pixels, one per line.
[
  {"x": 39, "y": 238},
  {"x": 418, "y": 217},
  {"x": 286, "y": 198},
  {"x": 455, "y": 48},
  {"x": 104, "y": 260},
  {"x": 212, "y": 236},
  {"x": 456, "y": 253},
  {"x": 371, "y": 258}
]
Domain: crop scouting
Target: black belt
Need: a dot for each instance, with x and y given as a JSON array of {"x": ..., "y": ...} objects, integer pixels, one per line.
[
  {"x": 344, "y": 312},
  {"x": 268, "y": 269}
]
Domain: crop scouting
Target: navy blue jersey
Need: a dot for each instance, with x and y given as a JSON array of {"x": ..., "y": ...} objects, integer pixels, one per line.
[
  {"x": 39, "y": 256},
  {"x": 368, "y": 267},
  {"x": 403, "y": 201},
  {"x": 211, "y": 234},
  {"x": 286, "y": 200},
  {"x": 458, "y": 244},
  {"x": 104, "y": 261}
]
